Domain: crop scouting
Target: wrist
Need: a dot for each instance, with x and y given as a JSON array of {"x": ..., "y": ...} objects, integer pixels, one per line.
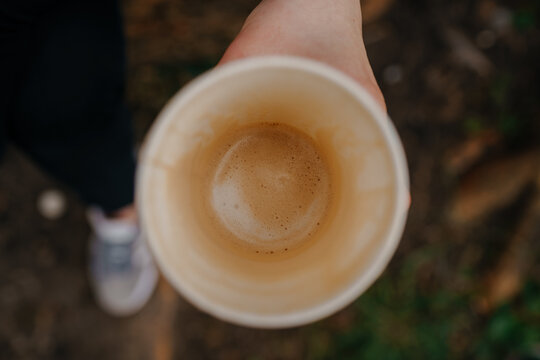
[{"x": 351, "y": 7}]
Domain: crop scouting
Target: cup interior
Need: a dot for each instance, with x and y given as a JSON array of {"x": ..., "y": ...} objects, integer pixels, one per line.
[{"x": 364, "y": 221}]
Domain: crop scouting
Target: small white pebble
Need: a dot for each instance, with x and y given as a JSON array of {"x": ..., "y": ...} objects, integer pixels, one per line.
[
  {"x": 486, "y": 39},
  {"x": 393, "y": 74},
  {"x": 51, "y": 204}
]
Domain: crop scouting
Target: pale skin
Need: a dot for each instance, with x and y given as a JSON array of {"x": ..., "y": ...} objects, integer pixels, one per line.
[{"x": 329, "y": 31}]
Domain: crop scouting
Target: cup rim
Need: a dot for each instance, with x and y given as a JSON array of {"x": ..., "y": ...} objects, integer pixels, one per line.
[{"x": 400, "y": 202}]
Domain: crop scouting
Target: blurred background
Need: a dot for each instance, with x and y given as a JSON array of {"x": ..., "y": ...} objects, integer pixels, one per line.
[{"x": 462, "y": 83}]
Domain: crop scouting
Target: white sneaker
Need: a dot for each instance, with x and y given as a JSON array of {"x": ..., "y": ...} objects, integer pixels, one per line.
[{"x": 122, "y": 272}]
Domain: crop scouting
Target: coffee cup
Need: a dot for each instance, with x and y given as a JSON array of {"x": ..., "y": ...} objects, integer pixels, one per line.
[{"x": 273, "y": 191}]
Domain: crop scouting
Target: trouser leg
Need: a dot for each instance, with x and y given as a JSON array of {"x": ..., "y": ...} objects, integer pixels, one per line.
[{"x": 69, "y": 114}]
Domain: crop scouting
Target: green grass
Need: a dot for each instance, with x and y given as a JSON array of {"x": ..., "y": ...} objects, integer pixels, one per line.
[{"x": 397, "y": 319}]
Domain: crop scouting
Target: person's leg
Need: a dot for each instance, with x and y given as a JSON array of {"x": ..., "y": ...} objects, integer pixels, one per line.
[
  {"x": 16, "y": 24},
  {"x": 69, "y": 115},
  {"x": 70, "y": 118},
  {"x": 8, "y": 72}
]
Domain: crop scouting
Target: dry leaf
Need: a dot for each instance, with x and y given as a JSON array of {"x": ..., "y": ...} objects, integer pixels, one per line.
[
  {"x": 506, "y": 280},
  {"x": 492, "y": 186}
]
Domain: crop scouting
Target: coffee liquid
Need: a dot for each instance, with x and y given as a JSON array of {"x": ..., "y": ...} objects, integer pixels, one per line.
[{"x": 268, "y": 187}]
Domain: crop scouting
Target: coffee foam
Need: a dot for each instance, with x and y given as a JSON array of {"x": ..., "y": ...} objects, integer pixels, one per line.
[{"x": 270, "y": 187}]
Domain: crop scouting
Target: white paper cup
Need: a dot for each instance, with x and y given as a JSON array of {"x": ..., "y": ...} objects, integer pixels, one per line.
[{"x": 368, "y": 211}]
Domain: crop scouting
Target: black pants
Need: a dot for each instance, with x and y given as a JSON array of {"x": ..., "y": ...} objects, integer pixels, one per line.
[{"x": 61, "y": 94}]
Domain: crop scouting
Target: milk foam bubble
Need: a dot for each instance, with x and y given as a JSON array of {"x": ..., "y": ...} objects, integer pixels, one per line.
[{"x": 270, "y": 187}]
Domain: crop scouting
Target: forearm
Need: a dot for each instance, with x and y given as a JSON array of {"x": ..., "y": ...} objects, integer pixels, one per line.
[
  {"x": 329, "y": 31},
  {"x": 311, "y": 14},
  {"x": 351, "y": 7},
  {"x": 310, "y": 28}
]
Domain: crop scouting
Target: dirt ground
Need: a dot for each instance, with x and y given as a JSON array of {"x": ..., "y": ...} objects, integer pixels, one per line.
[{"x": 462, "y": 84}]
